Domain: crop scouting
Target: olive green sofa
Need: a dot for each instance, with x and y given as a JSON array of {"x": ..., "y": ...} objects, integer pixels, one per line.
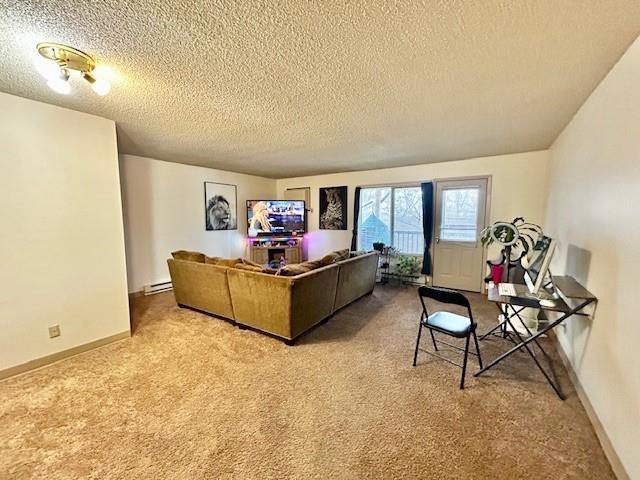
[{"x": 282, "y": 306}]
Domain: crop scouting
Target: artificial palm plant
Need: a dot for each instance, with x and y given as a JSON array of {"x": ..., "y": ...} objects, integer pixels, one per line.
[{"x": 518, "y": 234}]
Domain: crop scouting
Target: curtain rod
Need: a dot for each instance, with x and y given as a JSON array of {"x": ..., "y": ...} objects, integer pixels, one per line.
[{"x": 398, "y": 184}]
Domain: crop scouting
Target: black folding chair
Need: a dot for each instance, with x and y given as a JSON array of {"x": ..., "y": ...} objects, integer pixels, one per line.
[{"x": 448, "y": 323}]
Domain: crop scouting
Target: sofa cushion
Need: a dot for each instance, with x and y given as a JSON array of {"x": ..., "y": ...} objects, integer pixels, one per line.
[
  {"x": 189, "y": 256},
  {"x": 342, "y": 254},
  {"x": 294, "y": 269},
  {"x": 298, "y": 268},
  {"x": 336, "y": 256},
  {"x": 249, "y": 262},
  {"x": 328, "y": 260},
  {"x": 251, "y": 268},
  {"x": 223, "y": 262},
  {"x": 313, "y": 264}
]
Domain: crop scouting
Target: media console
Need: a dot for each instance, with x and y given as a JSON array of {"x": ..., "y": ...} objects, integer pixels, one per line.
[{"x": 267, "y": 249}]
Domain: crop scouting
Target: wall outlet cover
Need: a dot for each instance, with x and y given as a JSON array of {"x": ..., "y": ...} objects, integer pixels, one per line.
[{"x": 54, "y": 331}]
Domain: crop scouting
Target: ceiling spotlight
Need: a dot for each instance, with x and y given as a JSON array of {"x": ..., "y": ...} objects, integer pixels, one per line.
[
  {"x": 98, "y": 85},
  {"x": 59, "y": 60},
  {"x": 47, "y": 68},
  {"x": 60, "y": 82}
]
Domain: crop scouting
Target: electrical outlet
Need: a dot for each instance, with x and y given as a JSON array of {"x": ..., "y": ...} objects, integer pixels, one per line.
[{"x": 54, "y": 331}]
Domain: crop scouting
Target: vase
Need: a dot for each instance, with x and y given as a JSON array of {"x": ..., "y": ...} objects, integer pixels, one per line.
[{"x": 496, "y": 274}]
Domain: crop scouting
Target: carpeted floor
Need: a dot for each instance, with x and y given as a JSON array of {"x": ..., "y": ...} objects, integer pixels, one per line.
[{"x": 190, "y": 396}]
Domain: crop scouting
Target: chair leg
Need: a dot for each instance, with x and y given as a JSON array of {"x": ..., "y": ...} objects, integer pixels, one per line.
[
  {"x": 464, "y": 363},
  {"x": 475, "y": 339},
  {"x": 415, "y": 354},
  {"x": 433, "y": 338}
]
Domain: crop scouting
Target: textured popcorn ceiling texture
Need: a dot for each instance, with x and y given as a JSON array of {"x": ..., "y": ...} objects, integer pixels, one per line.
[{"x": 292, "y": 88}]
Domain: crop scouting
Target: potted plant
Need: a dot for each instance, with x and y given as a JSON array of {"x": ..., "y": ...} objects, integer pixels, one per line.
[
  {"x": 517, "y": 234},
  {"x": 378, "y": 246},
  {"x": 408, "y": 265}
]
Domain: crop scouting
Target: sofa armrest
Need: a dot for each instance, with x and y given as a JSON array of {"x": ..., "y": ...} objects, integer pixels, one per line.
[
  {"x": 201, "y": 286},
  {"x": 261, "y": 301},
  {"x": 357, "y": 278},
  {"x": 313, "y": 295}
]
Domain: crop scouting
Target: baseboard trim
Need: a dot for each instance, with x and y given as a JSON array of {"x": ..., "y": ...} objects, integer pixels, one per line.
[
  {"x": 134, "y": 295},
  {"x": 616, "y": 465},
  {"x": 55, "y": 357}
]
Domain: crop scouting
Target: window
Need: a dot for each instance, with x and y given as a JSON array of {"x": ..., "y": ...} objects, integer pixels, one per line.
[
  {"x": 392, "y": 215},
  {"x": 459, "y": 214}
]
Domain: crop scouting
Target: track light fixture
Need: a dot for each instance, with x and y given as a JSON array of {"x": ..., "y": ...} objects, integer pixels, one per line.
[{"x": 57, "y": 62}]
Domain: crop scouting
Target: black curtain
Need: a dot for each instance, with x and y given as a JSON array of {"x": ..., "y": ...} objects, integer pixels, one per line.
[
  {"x": 427, "y": 224},
  {"x": 356, "y": 212}
]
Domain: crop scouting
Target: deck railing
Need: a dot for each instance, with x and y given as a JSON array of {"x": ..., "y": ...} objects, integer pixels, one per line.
[{"x": 410, "y": 242}]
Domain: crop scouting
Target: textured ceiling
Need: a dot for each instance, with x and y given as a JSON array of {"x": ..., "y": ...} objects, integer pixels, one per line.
[{"x": 293, "y": 88}]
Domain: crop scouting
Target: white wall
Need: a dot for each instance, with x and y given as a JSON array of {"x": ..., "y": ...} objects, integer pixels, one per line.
[
  {"x": 164, "y": 211},
  {"x": 594, "y": 199},
  {"x": 518, "y": 189},
  {"x": 62, "y": 237}
]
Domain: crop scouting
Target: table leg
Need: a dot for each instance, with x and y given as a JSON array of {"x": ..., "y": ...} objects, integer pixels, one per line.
[
  {"x": 533, "y": 338},
  {"x": 555, "y": 387}
]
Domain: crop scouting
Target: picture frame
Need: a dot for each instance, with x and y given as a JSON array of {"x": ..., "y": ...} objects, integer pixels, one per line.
[
  {"x": 333, "y": 208},
  {"x": 220, "y": 206}
]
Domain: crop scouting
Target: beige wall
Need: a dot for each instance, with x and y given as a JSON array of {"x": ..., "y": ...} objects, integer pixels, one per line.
[
  {"x": 592, "y": 209},
  {"x": 518, "y": 189},
  {"x": 164, "y": 211},
  {"x": 62, "y": 238}
]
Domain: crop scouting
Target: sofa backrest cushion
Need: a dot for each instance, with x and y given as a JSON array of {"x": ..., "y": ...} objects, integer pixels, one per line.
[
  {"x": 300, "y": 268},
  {"x": 313, "y": 264},
  {"x": 249, "y": 262},
  {"x": 328, "y": 260},
  {"x": 244, "y": 266},
  {"x": 336, "y": 256},
  {"x": 223, "y": 262},
  {"x": 294, "y": 269},
  {"x": 188, "y": 256},
  {"x": 254, "y": 268}
]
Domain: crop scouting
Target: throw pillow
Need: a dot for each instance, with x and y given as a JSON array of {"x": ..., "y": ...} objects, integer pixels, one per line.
[{"x": 189, "y": 256}]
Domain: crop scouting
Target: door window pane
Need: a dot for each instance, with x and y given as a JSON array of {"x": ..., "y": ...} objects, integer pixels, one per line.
[
  {"x": 407, "y": 220},
  {"x": 460, "y": 214},
  {"x": 374, "y": 221}
]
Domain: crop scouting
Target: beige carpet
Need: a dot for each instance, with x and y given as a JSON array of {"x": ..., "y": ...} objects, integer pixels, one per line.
[{"x": 190, "y": 396}]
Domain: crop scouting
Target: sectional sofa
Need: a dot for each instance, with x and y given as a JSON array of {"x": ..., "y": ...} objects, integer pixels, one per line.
[{"x": 282, "y": 306}]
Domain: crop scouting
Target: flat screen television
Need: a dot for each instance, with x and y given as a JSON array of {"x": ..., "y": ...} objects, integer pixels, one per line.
[{"x": 275, "y": 217}]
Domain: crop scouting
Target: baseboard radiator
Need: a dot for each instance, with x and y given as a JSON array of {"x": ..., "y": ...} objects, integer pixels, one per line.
[{"x": 157, "y": 288}]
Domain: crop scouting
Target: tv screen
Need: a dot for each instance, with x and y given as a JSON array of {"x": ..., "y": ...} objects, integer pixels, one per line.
[{"x": 275, "y": 217}]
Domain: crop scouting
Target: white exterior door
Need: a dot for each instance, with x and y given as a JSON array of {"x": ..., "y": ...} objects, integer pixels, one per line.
[{"x": 460, "y": 208}]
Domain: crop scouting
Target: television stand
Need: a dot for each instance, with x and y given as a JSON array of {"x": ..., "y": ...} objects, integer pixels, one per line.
[{"x": 266, "y": 249}]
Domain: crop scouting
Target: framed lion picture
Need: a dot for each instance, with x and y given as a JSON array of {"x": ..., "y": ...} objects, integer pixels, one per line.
[
  {"x": 220, "y": 206},
  {"x": 333, "y": 208}
]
